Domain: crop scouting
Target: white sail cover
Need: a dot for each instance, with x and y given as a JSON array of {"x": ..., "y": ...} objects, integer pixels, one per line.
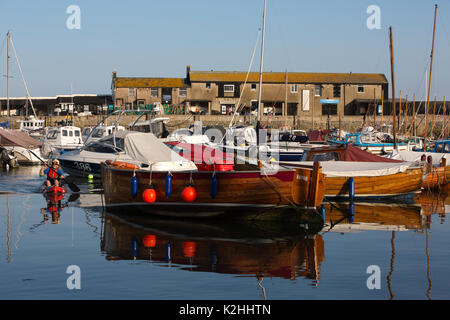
[
  {"x": 146, "y": 148},
  {"x": 361, "y": 169},
  {"x": 414, "y": 156}
]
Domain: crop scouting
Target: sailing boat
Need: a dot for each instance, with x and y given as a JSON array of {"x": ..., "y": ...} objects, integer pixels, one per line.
[
  {"x": 20, "y": 142},
  {"x": 32, "y": 125}
]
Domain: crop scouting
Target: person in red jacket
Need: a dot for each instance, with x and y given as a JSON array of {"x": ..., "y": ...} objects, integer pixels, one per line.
[{"x": 54, "y": 174}]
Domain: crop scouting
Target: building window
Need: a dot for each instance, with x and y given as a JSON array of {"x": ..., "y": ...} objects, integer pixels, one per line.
[
  {"x": 329, "y": 109},
  {"x": 131, "y": 92},
  {"x": 337, "y": 90},
  {"x": 228, "y": 88},
  {"x": 141, "y": 102},
  {"x": 154, "y": 92},
  {"x": 208, "y": 85},
  {"x": 318, "y": 90},
  {"x": 294, "y": 88},
  {"x": 254, "y": 105},
  {"x": 119, "y": 102},
  {"x": 183, "y": 92},
  {"x": 292, "y": 109},
  {"x": 361, "y": 89},
  {"x": 253, "y": 86}
]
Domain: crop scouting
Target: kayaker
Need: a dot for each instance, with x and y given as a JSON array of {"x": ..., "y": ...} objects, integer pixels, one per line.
[{"x": 54, "y": 174}]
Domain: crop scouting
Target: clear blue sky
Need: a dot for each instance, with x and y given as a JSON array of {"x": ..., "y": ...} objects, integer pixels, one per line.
[{"x": 159, "y": 38}]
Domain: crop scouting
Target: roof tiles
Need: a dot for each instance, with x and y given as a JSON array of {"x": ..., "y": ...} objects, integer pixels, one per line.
[
  {"x": 149, "y": 82},
  {"x": 293, "y": 77}
]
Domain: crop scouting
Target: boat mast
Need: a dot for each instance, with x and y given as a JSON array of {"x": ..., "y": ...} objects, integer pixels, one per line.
[
  {"x": 394, "y": 129},
  {"x": 429, "y": 81},
  {"x": 8, "y": 58},
  {"x": 260, "y": 109},
  {"x": 285, "y": 98},
  {"x": 414, "y": 116}
]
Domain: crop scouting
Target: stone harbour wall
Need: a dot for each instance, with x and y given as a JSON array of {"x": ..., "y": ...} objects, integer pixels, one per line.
[{"x": 348, "y": 123}]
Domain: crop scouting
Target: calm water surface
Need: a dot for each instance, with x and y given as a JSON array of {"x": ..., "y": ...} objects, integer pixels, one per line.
[{"x": 129, "y": 256}]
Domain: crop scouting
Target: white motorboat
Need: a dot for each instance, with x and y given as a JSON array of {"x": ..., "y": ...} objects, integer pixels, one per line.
[
  {"x": 62, "y": 139},
  {"x": 32, "y": 126},
  {"x": 91, "y": 134},
  {"x": 157, "y": 126},
  {"x": 125, "y": 146}
]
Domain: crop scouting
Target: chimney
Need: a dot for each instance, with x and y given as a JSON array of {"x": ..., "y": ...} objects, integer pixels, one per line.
[{"x": 188, "y": 75}]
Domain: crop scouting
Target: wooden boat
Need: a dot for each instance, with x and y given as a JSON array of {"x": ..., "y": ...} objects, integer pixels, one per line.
[
  {"x": 245, "y": 188},
  {"x": 435, "y": 177},
  {"x": 435, "y": 174},
  {"x": 236, "y": 190},
  {"x": 400, "y": 184},
  {"x": 373, "y": 176},
  {"x": 436, "y": 171}
]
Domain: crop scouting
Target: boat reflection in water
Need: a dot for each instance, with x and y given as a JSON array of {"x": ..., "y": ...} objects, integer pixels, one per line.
[
  {"x": 348, "y": 217},
  {"x": 259, "y": 249}
]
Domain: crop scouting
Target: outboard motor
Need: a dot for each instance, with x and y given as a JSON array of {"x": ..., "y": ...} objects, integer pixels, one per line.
[{"x": 7, "y": 160}]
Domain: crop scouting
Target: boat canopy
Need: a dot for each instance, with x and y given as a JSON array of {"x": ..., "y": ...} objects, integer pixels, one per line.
[
  {"x": 415, "y": 156},
  {"x": 352, "y": 153},
  {"x": 18, "y": 138},
  {"x": 146, "y": 148},
  {"x": 362, "y": 169}
]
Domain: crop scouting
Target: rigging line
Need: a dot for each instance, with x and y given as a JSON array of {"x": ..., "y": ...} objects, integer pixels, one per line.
[
  {"x": 23, "y": 78},
  {"x": 421, "y": 82},
  {"x": 178, "y": 123},
  {"x": 246, "y": 78},
  {"x": 445, "y": 25},
  {"x": 2, "y": 46},
  {"x": 382, "y": 49}
]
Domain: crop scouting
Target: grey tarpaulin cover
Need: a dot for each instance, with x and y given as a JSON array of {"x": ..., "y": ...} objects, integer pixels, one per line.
[{"x": 146, "y": 148}]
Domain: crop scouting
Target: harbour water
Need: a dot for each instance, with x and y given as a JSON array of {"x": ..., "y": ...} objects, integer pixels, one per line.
[{"x": 381, "y": 252}]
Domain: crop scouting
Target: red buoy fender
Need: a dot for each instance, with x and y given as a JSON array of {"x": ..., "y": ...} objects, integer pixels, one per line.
[
  {"x": 149, "y": 195},
  {"x": 189, "y": 194}
]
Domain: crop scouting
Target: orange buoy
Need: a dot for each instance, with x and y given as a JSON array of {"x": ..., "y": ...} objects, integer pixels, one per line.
[
  {"x": 189, "y": 249},
  {"x": 149, "y": 194},
  {"x": 189, "y": 194},
  {"x": 149, "y": 241},
  {"x": 122, "y": 165}
]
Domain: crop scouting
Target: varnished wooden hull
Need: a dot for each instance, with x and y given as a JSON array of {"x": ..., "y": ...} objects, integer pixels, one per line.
[
  {"x": 436, "y": 177},
  {"x": 238, "y": 191},
  {"x": 388, "y": 186}
]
